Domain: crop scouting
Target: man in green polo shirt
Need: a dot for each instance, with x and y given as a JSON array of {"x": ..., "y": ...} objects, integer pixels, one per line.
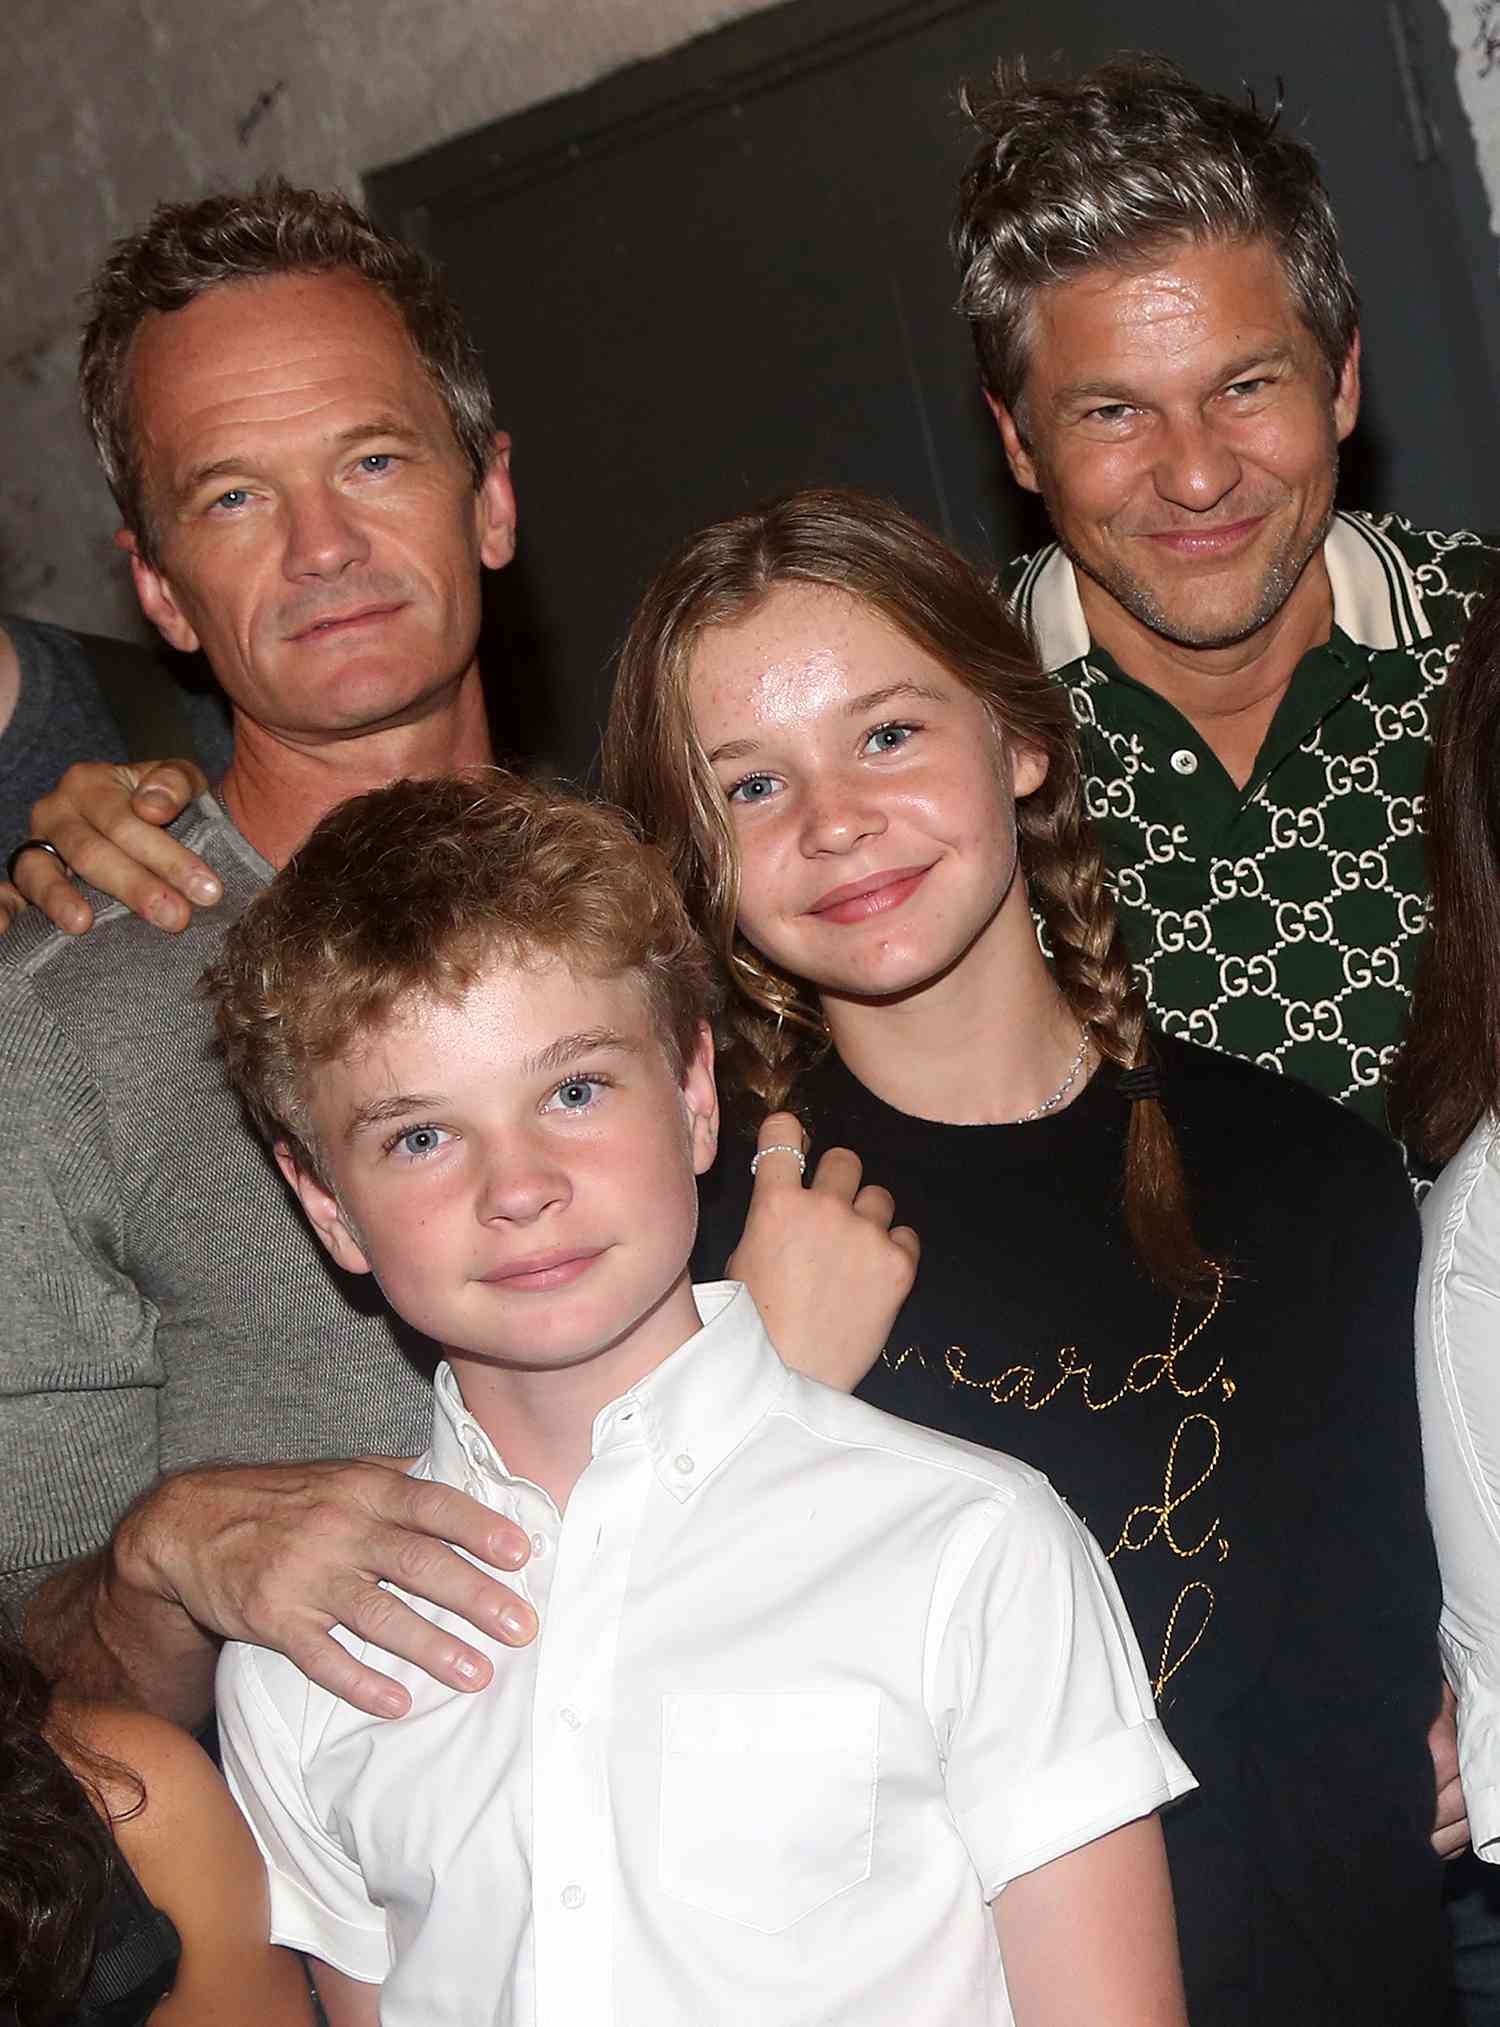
[{"x": 1169, "y": 342}]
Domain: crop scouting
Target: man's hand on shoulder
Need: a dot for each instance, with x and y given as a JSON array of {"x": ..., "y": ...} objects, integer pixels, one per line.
[
  {"x": 828, "y": 1269},
  {"x": 108, "y": 822},
  {"x": 277, "y": 1555}
]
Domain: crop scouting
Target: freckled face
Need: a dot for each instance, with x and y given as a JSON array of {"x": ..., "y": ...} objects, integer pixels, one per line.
[
  {"x": 1181, "y": 429},
  {"x": 517, "y": 1169},
  {"x": 320, "y": 536},
  {"x": 872, "y": 799}
]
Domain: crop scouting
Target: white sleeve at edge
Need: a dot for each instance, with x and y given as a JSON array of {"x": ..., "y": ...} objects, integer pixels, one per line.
[{"x": 1458, "y": 1394}]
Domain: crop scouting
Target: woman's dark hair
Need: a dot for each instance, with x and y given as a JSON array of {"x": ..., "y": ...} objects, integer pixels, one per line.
[
  {"x": 1449, "y": 1075},
  {"x": 57, "y": 1857},
  {"x": 655, "y": 766}
]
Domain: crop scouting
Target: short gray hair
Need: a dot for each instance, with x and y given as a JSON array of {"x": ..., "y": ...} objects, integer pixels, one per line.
[
  {"x": 1109, "y": 169},
  {"x": 273, "y": 229}
]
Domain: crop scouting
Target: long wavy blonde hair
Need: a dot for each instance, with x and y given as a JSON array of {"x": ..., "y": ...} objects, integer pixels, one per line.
[{"x": 656, "y": 767}]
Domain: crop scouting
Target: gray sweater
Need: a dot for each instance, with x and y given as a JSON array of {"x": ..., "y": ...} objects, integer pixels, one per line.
[{"x": 164, "y": 1303}]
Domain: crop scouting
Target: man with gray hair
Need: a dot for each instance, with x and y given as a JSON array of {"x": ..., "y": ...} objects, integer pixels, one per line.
[
  {"x": 298, "y": 433},
  {"x": 1168, "y": 339}
]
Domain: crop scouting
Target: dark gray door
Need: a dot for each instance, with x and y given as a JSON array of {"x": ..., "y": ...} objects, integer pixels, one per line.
[{"x": 725, "y": 272}]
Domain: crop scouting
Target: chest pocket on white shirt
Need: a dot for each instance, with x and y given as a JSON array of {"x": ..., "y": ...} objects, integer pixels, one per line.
[{"x": 767, "y": 1802}]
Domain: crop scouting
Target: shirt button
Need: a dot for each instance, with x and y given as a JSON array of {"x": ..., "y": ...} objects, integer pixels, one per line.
[
  {"x": 683, "y": 1462},
  {"x": 474, "y": 1445},
  {"x": 1184, "y": 761},
  {"x": 573, "y": 1896},
  {"x": 539, "y": 1544},
  {"x": 571, "y": 1718}
]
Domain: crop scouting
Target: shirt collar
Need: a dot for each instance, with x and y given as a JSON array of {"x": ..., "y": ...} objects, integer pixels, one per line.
[
  {"x": 691, "y": 1411},
  {"x": 1376, "y": 599}
]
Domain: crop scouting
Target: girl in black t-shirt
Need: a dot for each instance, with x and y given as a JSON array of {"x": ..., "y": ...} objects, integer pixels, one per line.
[{"x": 1180, "y": 1286}]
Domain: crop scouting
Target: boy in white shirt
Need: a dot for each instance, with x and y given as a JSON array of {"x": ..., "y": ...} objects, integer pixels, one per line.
[{"x": 831, "y": 1719}]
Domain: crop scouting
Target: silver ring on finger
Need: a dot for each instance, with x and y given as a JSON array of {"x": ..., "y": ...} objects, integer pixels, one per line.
[
  {"x": 34, "y": 845},
  {"x": 781, "y": 1147}
]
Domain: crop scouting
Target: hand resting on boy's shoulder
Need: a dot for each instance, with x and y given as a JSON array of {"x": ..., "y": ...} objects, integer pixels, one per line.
[
  {"x": 828, "y": 1270},
  {"x": 278, "y": 1554}
]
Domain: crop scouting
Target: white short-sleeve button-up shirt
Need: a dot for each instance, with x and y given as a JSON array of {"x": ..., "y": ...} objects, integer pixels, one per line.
[{"x": 812, "y": 1685}]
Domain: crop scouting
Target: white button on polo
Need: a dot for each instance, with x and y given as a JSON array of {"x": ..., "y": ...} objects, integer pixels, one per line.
[
  {"x": 539, "y": 1544},
  {"x": 571, "y": 1718},
  {"x": 573, "y": 1896},
  {"x": 1184, "y": 761},
  {"x": 683, "y": 1462}
]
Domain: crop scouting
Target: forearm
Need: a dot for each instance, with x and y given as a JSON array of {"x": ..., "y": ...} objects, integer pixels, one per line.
[{"x": 107, "y": 1639}]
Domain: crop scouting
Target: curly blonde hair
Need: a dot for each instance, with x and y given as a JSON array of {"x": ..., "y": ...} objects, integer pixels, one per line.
[{"x": 407, "y": 894}]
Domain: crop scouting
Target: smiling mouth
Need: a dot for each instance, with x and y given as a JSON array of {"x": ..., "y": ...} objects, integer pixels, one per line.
[
  {"x": 1216, "y": 541},
  {"x": 876, "y": 895},
  {"x": 340, "y": 622},
  {"x": 546, "y": 1270}
]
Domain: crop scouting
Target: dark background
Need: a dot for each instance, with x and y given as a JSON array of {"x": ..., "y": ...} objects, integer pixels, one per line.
[{"x": 726, "y": 272}]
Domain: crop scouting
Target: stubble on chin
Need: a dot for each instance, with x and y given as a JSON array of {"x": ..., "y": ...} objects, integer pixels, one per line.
[{"x": 1174, "y": 619}]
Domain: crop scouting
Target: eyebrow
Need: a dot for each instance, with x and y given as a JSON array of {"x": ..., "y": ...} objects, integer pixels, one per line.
[
  {"x": 387, "y": 426},
  {"x": 872, "y": 700},
  {"x": 568, "y": 1048},
  {"x": 1116, "y": 390}
]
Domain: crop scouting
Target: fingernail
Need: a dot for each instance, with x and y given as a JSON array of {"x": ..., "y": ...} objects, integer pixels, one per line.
[
  {"x": 392, "y": 1703},
  {"x": 156, "y": 794},
  {"x": 165, "y": 915},
  {"x": 515, "y": 1625},
  {"x": 203, "y": 888}
]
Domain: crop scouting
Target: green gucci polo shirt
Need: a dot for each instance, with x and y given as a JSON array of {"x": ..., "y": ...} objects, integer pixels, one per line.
[{"x": 1282, "y": 920}]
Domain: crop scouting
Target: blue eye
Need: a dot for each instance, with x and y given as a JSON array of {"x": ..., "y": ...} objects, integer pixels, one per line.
[
  {"x": 753, "y": 788},
  {"x": 235, "y": 497},
  {"x": 577, "y": 1094},
  {"x": 377, "y": 461},
  {"x": 417, "y": 1142},
  {"x": 887, "y": 738}
]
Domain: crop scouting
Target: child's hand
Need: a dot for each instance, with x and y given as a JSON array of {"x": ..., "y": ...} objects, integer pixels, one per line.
[{"x": 828, "y": 1270}]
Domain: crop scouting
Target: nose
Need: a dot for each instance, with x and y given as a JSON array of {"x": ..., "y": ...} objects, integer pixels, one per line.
[
  {"x": 522, "y": 1181},
  {"x": 1196, "y": 468},
  {"x": 323, "y": 534},
  {"x": 838, "y": 814}
]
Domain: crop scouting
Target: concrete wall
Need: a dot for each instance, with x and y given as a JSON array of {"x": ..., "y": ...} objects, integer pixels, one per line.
[
  {"x": 1475, "y": 28},
  {"x": 105, "y": 109}
]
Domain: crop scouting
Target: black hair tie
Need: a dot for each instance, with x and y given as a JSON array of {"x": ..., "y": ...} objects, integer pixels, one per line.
[{"x": 1142, "y": 1083}]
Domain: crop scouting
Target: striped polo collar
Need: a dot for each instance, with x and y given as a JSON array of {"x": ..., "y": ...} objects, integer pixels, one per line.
[{"x": 1376, "y": 599}]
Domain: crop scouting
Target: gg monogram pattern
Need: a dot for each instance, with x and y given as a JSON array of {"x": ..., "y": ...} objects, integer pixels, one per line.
[{"x": 1282, "y": 921}]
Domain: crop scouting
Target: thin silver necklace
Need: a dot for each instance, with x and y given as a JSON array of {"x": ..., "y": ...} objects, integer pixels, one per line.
[{"x": 1051, "y": 1104}]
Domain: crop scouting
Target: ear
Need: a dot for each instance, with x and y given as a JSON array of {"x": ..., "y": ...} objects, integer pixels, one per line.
[
  {"x": 1017, "y": 456},
  {"x": 157, "y": 598},
  {"x": 323, "y": 1212},
  {"x": 496, "y": 507},
  {"x": 701, "y": 1098},
  {"x": 1346, "y": 394},
  {"x": 1028, "y": 770}
]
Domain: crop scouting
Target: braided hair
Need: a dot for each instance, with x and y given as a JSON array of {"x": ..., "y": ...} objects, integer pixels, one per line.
[{"x": 655, "y": 766}]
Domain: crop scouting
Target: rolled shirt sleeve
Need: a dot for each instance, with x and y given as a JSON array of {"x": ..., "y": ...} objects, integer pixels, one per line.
[
  {"x": 1037, "y": 1691},
  {"x": 318, "y": 1898}
]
